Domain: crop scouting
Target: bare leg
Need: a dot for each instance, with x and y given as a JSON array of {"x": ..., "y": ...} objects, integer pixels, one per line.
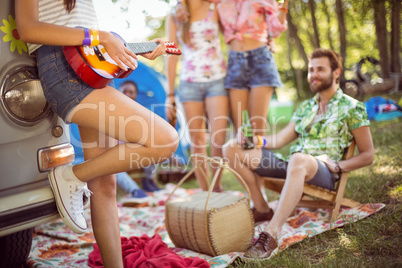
[
  {"x": 196, "y": 121},
  {"x": 218, "y": 115},
  {"x": 149, "y": 139},
  {"x": 244, "y": 162},
  {"x": 238, "y": 103},
  {"x": 104, "y": 115},
  {"x": 301, "y": 168},
  {"x": 105, "y": 221},
  {"x": 259, "y": 99}
]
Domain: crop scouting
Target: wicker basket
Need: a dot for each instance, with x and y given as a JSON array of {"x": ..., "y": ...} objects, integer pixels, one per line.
[{"x": 211, "y": 223}]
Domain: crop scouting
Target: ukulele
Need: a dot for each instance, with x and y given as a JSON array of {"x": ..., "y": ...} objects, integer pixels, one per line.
[{"x": 96, "y": 68}]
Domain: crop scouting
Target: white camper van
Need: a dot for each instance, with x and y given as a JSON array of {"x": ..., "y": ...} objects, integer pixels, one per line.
[{"x": 32, "y": 141}]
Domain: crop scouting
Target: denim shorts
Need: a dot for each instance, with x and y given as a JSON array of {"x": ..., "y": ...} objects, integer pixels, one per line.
[
  {"x": 62, "y": 87},
  {"x": 197, "y": 92},
  {"x": 253, "y": 68},
  {"x": 271, "y": 166}
]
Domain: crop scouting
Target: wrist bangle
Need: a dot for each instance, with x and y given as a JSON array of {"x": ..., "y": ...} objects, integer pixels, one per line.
[
  {"x": 171, "y": 95},
  {"x": 264, "y": 142},
  {"x": 94, "y": 37},
  {"x": 182, "y": 3},
  {"x": 87, "y": 40},
  {"x": 259, "y": 141}
]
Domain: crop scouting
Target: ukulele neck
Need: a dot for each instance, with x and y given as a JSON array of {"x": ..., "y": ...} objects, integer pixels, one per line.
[{"x": 141, "y": 48}]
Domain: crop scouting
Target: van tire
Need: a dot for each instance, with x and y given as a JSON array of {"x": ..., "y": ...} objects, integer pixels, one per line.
[{"x": 15, "y": 248}]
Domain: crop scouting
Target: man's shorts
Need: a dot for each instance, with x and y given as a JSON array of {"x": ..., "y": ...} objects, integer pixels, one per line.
[{"x": 271, "y": 166}]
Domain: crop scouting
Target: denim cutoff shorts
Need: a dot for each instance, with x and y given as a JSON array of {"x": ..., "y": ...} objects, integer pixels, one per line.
[
  {"x": 271, "y": 166},
  {"x": 253, "y": 68},
  {"x": 62, "y": 87},
  {"x": 197, "y": 92}
]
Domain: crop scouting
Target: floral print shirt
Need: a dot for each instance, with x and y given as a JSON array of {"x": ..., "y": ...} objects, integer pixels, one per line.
[
  {"x": 255, "y": 19},
  {"x": 332, "y": 134},
  {"x": 202, "y": 61}
]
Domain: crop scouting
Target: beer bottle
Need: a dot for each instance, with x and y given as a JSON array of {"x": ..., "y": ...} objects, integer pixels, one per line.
[{"x": 247, "y": 130}]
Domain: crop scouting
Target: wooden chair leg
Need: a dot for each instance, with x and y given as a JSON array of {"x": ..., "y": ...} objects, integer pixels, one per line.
[{"x": 333, "y": 215}]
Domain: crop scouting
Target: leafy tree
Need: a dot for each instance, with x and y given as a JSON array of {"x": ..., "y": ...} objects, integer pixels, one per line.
[{"x": 354, "y": 28}]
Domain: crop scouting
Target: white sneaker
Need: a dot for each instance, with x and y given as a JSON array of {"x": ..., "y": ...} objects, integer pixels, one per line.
[
  {"x": 69, "y": 194},
  {"x": 86, "y": 197}
]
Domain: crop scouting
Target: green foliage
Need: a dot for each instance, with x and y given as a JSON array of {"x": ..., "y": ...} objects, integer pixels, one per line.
[
  {"x": 359, "y": 26},
  {"x": 360, "y": 34}
]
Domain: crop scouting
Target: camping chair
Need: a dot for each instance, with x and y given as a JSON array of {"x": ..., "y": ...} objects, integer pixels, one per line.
[{"x": 317, "y": 197}]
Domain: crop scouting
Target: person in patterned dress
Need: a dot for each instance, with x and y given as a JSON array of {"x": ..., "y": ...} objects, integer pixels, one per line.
[
  {"x": 249, "y": 28},
  {"x": 202, "y": 77},
  {"x": 323, "y": 127}
]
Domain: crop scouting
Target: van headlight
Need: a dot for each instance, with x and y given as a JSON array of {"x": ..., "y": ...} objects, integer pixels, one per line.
[{"x": 22, "y": 96}]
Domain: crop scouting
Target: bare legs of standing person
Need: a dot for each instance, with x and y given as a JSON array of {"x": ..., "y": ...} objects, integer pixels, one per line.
[
  {"x": 217, "y": 109},
  {"x": 104, "y": 116},
  {"x": 256, "y": 101}
]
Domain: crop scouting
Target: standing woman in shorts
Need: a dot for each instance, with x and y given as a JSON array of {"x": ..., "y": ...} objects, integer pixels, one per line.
[
  {"x": 252, "y": 72},
  {"x": 201, "y": 91},
  {"x": 102, "y": 115}
]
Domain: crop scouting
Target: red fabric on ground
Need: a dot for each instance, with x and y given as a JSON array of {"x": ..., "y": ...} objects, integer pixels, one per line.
[{"x": 146, "y": 252}]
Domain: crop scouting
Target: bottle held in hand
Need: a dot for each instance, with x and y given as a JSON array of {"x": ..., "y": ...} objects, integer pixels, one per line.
[{"x": 247, "y": 130}]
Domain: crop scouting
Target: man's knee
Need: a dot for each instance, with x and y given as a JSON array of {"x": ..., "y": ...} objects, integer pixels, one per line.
[{"x": 298, "y": 164}]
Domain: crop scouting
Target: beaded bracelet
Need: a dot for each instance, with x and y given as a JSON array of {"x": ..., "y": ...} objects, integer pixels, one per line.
[
  {"x": 87, "y": 40},
  {"x": 173, "y": 100},
  {"x": 94, "y": 37},
  {"x": 340, "y": 170}
]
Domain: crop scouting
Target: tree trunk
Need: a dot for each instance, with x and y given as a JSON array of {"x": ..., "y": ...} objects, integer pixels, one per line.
[
  {"x": 299, "y": 83},
  {"x": 378, "y": 88},
  {"x": 289, "y": 50},
  {"x": 329, "y": 34},
  {"x": 381, "y": 32},
  {"x": 316, "y": 39},
  {"x": 289, "y": 54},
  {"x": 342, "y": 33},
  {"x": 395, "y": 36},
  {"x": 293, "y": 34}
]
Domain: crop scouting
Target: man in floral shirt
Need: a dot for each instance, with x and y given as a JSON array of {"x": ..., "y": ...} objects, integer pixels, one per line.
[{"x": 323, "y": 127}]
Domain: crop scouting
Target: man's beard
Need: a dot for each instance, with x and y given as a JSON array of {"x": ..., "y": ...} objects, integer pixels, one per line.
[{"x": 325, "y": 84}]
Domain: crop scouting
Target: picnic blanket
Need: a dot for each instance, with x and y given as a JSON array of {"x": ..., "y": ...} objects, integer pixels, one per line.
[
  {"x": 147, "y": 252},
  {"x": 54, "y": 245}
]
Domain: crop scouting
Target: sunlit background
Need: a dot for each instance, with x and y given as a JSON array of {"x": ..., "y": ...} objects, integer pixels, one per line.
[
  {"x": 143, "y": 20},
  {"x": 128, "y": 17}
]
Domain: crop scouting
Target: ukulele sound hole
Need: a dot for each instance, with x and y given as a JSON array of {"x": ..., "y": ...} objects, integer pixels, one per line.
[{"x": 99, "y": 54}]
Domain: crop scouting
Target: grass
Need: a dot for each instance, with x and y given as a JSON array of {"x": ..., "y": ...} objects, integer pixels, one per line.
[{"x": 375, "y": 241}]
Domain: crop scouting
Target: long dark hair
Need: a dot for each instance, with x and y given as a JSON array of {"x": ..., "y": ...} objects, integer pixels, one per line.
[{"x": 69, "y": 5}]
